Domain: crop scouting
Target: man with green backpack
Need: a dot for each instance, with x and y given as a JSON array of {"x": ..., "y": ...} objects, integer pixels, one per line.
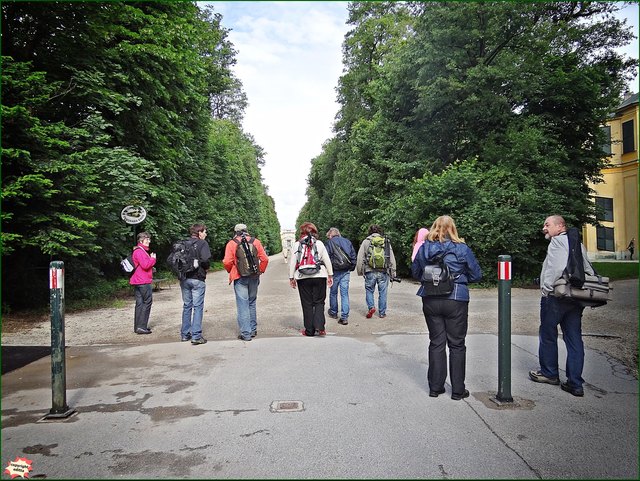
[{"x": 377, "y": 264}]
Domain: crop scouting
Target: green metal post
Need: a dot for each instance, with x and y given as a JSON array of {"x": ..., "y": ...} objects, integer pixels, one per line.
[
  {"x": 59, "y": 407},
  {"x": 504, "y": 329}
]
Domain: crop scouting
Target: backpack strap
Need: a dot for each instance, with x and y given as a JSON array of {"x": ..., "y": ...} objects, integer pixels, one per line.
[
  {"x": 133, "y": 259},
  {"x": 299, "y": 253},
  {"x": 250, "y": 241},
  {"x": 387, "y": 253}
]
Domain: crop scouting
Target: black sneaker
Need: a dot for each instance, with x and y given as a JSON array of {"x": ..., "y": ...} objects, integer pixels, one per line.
[
  {"x": 200, "y": 340},
  {"x": 142, "y": 330},
  {"x": 332, "y": 315},
  {"x": 576, "y": 391},
  {"x": 254, "y": 333},
  {"x": 344, "y": 322},
  {"x": 243, "y": 338},
  {"x": 186, "y": 338}
]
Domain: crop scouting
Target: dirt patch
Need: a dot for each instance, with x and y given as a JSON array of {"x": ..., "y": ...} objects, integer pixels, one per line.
[{"x": 23, "y": 320}]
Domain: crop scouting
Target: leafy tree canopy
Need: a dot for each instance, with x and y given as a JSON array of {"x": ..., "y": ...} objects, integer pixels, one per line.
[
  {"x": 490, "y": 112},
  {"x": 110, "y": 104}
]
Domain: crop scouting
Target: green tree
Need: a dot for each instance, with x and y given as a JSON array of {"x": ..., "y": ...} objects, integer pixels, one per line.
[
  {"x": 486, "y": 111},
  {"x": 109, "y": 104}
]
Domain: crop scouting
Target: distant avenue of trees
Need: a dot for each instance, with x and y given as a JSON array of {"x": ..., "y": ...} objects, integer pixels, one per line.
[
  {"x": 490, "y": 112},
  {"x": 110, "y": 104}
]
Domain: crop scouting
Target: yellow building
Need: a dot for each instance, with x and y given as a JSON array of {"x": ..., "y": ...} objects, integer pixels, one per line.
[{"x": 618, "y": 194}]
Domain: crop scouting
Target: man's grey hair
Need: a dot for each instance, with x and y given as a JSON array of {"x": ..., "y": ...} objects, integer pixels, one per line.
[
  {"x": 333, "y": 232},
  {"x": 558, "y": 220}
]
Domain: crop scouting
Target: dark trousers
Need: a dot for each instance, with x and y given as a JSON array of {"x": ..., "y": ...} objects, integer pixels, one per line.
[
  {"x": 313, "y": 293},
  {"x": 447, "y": 321},
  {"x": 568, "y": 315},
  {"x": 144, "y": 298}
]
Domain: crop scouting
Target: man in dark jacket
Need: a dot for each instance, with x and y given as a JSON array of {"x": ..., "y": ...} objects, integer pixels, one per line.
[
  {"x": 343, "y": 260},
  {"x": 193, "y": 288}
]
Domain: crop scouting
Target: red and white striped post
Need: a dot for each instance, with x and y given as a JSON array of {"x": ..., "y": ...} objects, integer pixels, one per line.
[{"x": 504, "y": 329}]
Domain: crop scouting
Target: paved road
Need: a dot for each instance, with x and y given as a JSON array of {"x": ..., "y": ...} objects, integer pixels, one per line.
[{"x": 286, "y": 406}]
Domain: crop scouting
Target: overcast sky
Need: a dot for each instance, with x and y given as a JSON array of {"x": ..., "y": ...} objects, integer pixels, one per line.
[{"x": 289, "y": 59}]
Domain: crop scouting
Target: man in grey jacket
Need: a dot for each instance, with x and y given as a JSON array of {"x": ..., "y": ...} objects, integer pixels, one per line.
[{"x": 554, "y": 311}]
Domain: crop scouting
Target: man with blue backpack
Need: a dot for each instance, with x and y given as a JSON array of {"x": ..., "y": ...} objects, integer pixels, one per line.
[{"x": 343, "y": 259}]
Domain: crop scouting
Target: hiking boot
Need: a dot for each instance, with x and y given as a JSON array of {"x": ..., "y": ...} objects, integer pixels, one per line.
[
  {"x": 200, "y": 340},
  {"x": 332, "y": 315},
  {"x": 370, "y": 313},
  {"x": 537, "y": 376},
  {"x": 576, "y": 391}
]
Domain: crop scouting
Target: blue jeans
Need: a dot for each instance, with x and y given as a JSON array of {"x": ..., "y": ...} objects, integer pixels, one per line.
[
  {"x": 340, "y": 281},
  {"x": 193, "y": 297},
  {"x": 555, "y": 311},
  {"x": 372, "y": 278},
  {"x": 246, "y": 289}
]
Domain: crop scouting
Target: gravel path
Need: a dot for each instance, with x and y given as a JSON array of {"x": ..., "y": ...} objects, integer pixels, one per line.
[{"x": 612, "y": 329}]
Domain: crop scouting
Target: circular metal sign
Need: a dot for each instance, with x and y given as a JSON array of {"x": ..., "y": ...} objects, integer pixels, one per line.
[{"x": 133, "y": 214}]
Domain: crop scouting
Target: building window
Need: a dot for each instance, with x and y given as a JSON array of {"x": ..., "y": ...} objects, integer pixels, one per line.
[
  {"x": 628, "y": 141},
  {"x": 605, "y": 239},
  {"x": 606, "y": 147},
  {"x": 604, "y": 209}
]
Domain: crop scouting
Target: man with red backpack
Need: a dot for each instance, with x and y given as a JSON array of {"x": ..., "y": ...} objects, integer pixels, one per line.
[{"x": 245, "y": 260}]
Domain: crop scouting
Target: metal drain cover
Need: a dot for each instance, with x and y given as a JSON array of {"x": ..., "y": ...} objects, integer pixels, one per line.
[{"x": 287, "y": 406}]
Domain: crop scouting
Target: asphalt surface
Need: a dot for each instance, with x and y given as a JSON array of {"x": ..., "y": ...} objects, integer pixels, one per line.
[{"x": 353, "y": 404}]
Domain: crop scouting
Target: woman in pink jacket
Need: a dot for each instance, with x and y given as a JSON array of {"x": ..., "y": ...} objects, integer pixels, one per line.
[{"x": 142, "y": 281}]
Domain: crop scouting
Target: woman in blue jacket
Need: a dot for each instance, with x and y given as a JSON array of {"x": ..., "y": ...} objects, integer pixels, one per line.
[{"x": 447, "y": 316}]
